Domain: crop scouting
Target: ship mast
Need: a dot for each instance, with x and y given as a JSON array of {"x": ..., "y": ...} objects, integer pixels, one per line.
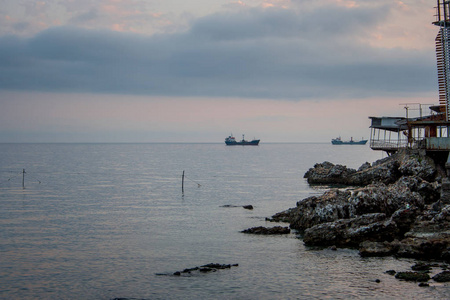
[{"x": 443, "y": 54}]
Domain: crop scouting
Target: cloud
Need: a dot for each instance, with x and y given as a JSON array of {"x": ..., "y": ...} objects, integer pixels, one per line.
[{"x": 251, "y": 52}]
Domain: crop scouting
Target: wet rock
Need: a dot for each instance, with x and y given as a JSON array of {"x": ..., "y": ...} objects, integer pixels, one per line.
[
  {"x": 250, "y": 207},
  {"x": 391, "y": 272},
  {"x": 284, "y": 216},
  {"x": 423, "y": 284},
  {"x": 212, "y": 267},
  {"x": 413, "y": 276},
  {"x": 442, "y": 277},
  {"x": 421, "y": 267},
  {"x": 386, "y": 171},
  {"x": 350, "y": 232},
  {"x": 368, "y": 249},
  {"x": 267, "y": 231}
]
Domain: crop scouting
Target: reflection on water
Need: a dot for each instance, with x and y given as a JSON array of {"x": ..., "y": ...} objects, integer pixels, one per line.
[{"x": 107, "y": 218}]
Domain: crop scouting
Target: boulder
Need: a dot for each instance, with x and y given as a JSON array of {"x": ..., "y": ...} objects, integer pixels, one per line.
[
  {"x": 351, "y": 232},
  {"x": 413, "y": 276},
  {"x": 442, "y": 277}
]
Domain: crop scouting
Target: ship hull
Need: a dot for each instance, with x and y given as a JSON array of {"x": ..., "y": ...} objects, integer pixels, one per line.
[
  {"x": 243, "y": 143},
  {"x": 362, "y": 142}
]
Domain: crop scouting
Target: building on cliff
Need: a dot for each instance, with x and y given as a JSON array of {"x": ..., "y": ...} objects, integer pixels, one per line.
[{"x": 430, "y": 132}]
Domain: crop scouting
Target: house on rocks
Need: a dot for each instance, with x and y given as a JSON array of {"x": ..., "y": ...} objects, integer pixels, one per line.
[{"x": 430, "y": 131}]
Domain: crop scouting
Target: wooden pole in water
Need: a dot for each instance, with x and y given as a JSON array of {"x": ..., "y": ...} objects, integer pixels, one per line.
[
  {"x": 182, "y": 183},
  {"x": 23, "y": 178}
]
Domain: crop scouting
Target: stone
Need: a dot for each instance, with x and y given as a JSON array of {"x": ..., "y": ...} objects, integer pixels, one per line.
[
  {"x": 267, "y": 231},
  {"x": 413, "y": 276},
  {"x": 442, "y": 277}
]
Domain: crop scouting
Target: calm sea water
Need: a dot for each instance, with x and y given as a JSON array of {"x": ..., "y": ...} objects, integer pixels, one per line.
[{"x": 101, "y": 221}]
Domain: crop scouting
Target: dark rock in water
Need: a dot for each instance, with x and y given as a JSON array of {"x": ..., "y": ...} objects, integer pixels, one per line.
[
  {"x": 267, "y": 231},
  {"x": 206, "y": 270},
  {"x": 248, "y": 207},
  {"x": 212, "y": 267},
  {"x": 377, "y": 280},
  {"x": 350, "y": 232},
  {"x": 421, "y": 267},
  {"x": 413, "y": 276},
  {"x": 442, "y": 277},
  {"x": 391, "y": 272},
  {"x": 284, "y": 216},
  {"x": 219, "y": 266},
  {"x": 423, "y": 284}
]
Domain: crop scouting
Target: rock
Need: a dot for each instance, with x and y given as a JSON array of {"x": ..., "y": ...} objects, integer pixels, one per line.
[
  {"x": 387, "y": 170},
  {"x": 284, "y": 216},
  {"x": 350, "y": 232},
  {"x": 267, "y": 231},
  {"x": 327, "y": 172},
  {"x": 368, "y": 248},
  {"x": 364, "y": 166},
  {"x": 250, "y": 207},
  {"x": 421, "y": 267},
  {"x": 413, "y": 276},
  {"x": 212, "y": 267},
  {"x": 423, "y": 284},
  {"x": 395, "y": 207},
  {"x": 391, "y": 272},
  {"x": 331, "y": 206},
  {"x": 442, "y": 277}
]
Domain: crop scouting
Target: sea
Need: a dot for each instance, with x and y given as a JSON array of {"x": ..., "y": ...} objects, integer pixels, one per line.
[{"x": 108, "y": 221}]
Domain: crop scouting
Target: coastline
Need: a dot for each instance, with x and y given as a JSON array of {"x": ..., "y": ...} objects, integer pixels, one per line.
[{"x": 392, "y": 207}]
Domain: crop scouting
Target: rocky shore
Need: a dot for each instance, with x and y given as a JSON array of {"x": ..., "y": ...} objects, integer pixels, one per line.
[{"x": 392, "y": 207}]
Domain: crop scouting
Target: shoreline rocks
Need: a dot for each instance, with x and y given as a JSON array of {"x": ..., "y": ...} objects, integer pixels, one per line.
[{"x": 391, "y": 207}]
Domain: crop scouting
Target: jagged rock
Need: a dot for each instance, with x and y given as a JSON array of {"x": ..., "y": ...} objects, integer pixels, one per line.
[
  {"x": 391, "y": 272},
  {"x": 327, "y": 172},
  {"x": 442, "y": 277},
  {"x": 368, "y": 248},
  {"x": 413, "y": 276},
  {"x": 331, "y": 206},
  {"x": 351, "y": 232},
  {"x": 387, "y": 170},
  {"x": 422, "y": 166},
  {"x": 284, "y": 216},
  {"x": 396, "y": 211},
  {"x": 212, "y": 267},
  {"x": 364, "y": 166},
  {"x": 250, "y": 207},
  {"x": 267, "y": 231},
  {"x": 421, "y": 267}
]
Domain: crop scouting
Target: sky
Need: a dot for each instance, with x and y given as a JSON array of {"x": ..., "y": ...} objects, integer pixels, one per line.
[{"x": 196, "y": 71}]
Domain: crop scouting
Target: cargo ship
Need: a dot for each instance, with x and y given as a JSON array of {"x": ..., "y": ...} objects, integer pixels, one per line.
[
  {"x": 231, "y": 141},
  {"x": 338, "y": 141}
]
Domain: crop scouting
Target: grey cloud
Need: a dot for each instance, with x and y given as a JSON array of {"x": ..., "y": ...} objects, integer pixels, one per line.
[
  {"x": 90, "y": 15},
  {"x": 268, "y": 53}
]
